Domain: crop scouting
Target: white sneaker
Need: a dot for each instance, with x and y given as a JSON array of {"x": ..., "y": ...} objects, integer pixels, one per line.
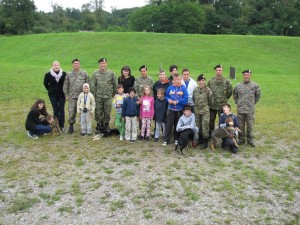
[
  {"x": 121, "y": 138},
  {"x": 176, "y": 142},
  {"x": 165, "y": 143},
  {"x": 32, "y": 136}
]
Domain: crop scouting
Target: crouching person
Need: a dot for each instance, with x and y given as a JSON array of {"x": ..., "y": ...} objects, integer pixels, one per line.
[
  {"x": 86, "y": 108},
  {"x": 36, "y": 122}
]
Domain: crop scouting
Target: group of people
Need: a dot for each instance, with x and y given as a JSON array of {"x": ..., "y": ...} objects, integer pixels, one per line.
[{"x": 176, "y": 103}]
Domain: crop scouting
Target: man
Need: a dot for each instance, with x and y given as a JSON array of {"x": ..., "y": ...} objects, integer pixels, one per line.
[
  {"x": 72, "y": 88},
  {"x": 143, "y": 80},
  {"x": 221, "y": 91},
  {"x": 173, "y": 70},
  {"x": 190, "y": 85},
  {"x": 162, "y": 82},
  {"x": 103, "y": 87},
  {"x": 246, "y": 94}
]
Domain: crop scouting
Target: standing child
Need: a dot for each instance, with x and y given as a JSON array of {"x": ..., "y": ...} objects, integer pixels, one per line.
[
  {"x": 146, "y": 112},
  {"x": 86, "y": 108},
  {"x": 117, "y": 103},
  {"x": 160, "y": 113},
  {"x": 130, "y": 114}
]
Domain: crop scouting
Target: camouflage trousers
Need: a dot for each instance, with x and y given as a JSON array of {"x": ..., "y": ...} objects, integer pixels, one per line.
[
  {"x": 72, "y": 107},
  {"x": 212, "y": 119},
  {"x": 103, "y": 110},
  {"x": 202, "y": 121},
  {"x": 246, "y": 120}
]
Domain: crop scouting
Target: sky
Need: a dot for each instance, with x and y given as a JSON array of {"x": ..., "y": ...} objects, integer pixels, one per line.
[{"x": 45, "y": 5}]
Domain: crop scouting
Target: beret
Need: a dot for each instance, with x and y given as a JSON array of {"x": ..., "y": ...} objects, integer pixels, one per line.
[
  {"x": 246, "y": 71},
  {"x": 201, "y": 77},
  {"x": 142, "y": 67},
  {"x": 102, "y": 60},
  {"x": 218, "y": 66},
  {"x": 75, "y": 60}
]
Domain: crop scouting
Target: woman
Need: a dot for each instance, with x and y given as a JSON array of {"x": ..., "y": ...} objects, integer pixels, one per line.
[
  {"x": 126, "y": 79},
  {"x": 36, "y": 122},
  {"x": 53, "y": 82}
]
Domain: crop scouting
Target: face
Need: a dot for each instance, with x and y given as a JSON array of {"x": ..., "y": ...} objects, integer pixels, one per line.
[
  {"x": 219, "y": 71},
  {"x": 162, "y": 76},
  {"x": 247, "y": 77},
  {"x": 102, "y": 65},
  {"x": 147, "y": 91},
  {"x": 120, "y": 90},
  {"x": 186, "y": 75},
  {"x": 144, "y": 72},
  {"x": 160, "y": 95},
  {"x": 76, "y": 65},
  {"x": 132, "y": 94},
  {"x": 85, "y": 89},
  {"x": 174, "y": 71},
  {"x": 125, "y": 73},
  {"x": 41, "y": 105},
  {"x": 226, "y": 110},
  {"x": 201, "y": 83},
  {"x": 177, "y": 81},
  {"x": 187, "y": 112},
  {"x": 55, "y": 66}
]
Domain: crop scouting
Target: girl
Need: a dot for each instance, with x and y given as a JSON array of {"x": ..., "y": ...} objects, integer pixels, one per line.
[
  {"x": 36, "y": 122},
  {"x": 146, "y": 112},
  {"x": 126, "y": 79}
]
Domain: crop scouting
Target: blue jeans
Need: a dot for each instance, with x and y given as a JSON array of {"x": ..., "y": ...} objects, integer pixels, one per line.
[
  {"x": 41, "y": 129},
  {"x": 58, "y": 105}
]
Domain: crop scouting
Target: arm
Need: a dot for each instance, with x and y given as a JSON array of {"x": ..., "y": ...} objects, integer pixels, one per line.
[
  {"x": 235, "y": 95},
  {"x": 78, "y": 103},
  {"x": 229, "y": 88},
  {"x": 66, "y": 87},
  {"x": 46, "y": 81},
  {"x": 93, "y": 103},
  {"x": 257, "y": 94}
]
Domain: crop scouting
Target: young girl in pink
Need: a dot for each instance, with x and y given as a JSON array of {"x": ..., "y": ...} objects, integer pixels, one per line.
[{"x": 146, "y": 112}]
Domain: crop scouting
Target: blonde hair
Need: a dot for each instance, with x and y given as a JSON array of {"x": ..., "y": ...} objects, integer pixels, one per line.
[{"x": 143, "y": 90}]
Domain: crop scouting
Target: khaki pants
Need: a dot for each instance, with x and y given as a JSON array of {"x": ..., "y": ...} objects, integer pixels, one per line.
[{"x": 131, "y": 128}]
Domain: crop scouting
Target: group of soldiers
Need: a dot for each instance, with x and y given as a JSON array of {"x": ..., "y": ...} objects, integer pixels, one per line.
[{"x": 104, "y": 83}]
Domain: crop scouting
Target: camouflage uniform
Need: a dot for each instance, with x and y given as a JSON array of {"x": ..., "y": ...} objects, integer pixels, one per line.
[
  {"x": 246, "y": 95},
  {"x": 72, "y": 88},
  {"x": 103, "y": 87},
  {"x": 221, "y": 92},
  {"x": 201, "y": 99},
  {"x": 140, "y": 82}
]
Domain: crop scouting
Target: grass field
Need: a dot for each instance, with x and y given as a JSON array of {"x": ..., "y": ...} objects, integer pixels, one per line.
[{"x": 73, "y": 180}]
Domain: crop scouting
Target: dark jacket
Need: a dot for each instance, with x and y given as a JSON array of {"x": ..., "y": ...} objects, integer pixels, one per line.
[
  {"x": 160, "y": 110},
  {"x": 158, "y": 85},
  {"x": 33, "y": 118},
  {"x": 55, "y": 89},
  {"x": 127, "y": 83},
  {"x": 234, "y": 118},
  {"x": 130, "y": 108}
]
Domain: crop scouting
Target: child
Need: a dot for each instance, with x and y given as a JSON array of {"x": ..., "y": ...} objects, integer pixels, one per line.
[
  {"x": 130, "y": 114},
  {"x": 117, "y": 103},
  {"x": 36, "y": 122},
  {"x": 86, "y": 108},
  {"x": 160, "y": 113},
  {"x": 146, "y": 112},
  {"x": 177, "y": 97},
  {"x": 187, "y": 122}
]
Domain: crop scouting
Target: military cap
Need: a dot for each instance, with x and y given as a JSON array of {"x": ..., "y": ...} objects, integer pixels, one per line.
[
  {"x": 75, "y": 60},
  {"x": 102, "y": 60},
  {"x": 218, "y": 66},
  {"x": 142, "y": 67},
  {"x": 201, "y": 77},
  {"x": 246, "y": 71}
]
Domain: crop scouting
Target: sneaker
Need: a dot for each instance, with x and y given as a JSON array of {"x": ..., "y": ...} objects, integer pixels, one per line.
[
  {"x": 131, "y": 141},
  {"x": 82, "y": 134},
  {"x": 176, "y": 142},
  {"x": 147, "y": 139},
  {"x": 62, "y": 129},
  {"x": 121, "y": 138},
  {"x": 155, "y": 139},
  {"x": 165, "y": 143},
  {"x": 32, "y": 136}
]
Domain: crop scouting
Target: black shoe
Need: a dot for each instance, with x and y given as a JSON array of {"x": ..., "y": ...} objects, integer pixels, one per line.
[
  {"x": 155, "y": 139},
  {"x": 141, "y": 138},
  {"x": 131, "y": 141},
  {"x": 82, "y": 134},
  {"x": 234, "y": 149},
  {"x": 240, "y": 142},
  {"x": 147, "y": 139},
  {"x": 71, "y": 129},
  {"x": 205, "y": 143}
]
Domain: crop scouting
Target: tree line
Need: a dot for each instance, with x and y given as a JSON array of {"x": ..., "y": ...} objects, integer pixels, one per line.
[{"x": 258, "y": 17}]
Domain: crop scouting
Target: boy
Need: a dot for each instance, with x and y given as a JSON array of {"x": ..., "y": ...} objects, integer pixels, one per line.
[
  {"x": 187, "y": 123},
  {"x": 160, "y": 112},
  {"x": 86, "y": 108},
  {"x": 117, "y": 103},
  {"x": 130, "y": 114}
]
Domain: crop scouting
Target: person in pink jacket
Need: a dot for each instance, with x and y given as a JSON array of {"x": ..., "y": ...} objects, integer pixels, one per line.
[{"x": 146, "y": 112}]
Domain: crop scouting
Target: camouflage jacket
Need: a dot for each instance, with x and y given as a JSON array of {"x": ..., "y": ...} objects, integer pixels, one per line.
[
  {"x": 201, "y": 98},
  {"x": 246, "y": 95},
  {"x": 103, "y": 84},
  {"x": 140, "y": 82},
  {"x": 221, "y": 92},
  {"x": 73, "y": 83}
]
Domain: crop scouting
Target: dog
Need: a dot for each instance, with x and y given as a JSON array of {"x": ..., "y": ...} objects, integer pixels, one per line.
[
  {"x": 110, "y": 132},
  {"x": 185, "y": 137},
  {"x": 54, "y": 124}
]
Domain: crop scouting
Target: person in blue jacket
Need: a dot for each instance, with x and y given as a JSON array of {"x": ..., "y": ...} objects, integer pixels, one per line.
[{"x": 177, "y": 97}]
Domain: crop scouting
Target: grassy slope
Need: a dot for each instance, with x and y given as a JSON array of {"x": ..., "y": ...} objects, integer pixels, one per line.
[{"x": 274, "y": 61}]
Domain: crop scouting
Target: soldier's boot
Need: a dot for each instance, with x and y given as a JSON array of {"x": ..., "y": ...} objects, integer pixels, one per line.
[
  {"x": 205, "y": 143},
  {"x": 201, "y": 139},
  {"x": 97, "y": 128},
  {"x": 104, "y": 127},
  {"x": 241, "y": 141},
  {"x": 71, "y": 129},
  {"x": 251, "y": 143}
]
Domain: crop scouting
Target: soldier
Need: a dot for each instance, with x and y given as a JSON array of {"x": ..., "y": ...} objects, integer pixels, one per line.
[
  {"x": 103, "y": 87},
  {"x": 246, "y": 94},
  {"x": 221, "y": 91},
  {"x": 202, "y": 97},
  {"x": 143, "y": 80},
  {"x": 72, "y": 88}
]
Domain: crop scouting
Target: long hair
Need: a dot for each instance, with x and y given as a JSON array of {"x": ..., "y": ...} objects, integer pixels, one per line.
[
  {"x": 143, "y": 90},
  {"x": 35, "y": 106},
  {"x": 122, "y": 78}
]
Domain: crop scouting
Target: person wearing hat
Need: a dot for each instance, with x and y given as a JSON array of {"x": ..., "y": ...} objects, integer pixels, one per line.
[
  {"x": 202, "y": 97},
  {"x": 103, "y": 87},
  {"x": 143, "y": 80},
  {"x": 221, "y": 88},
  {"x": 72, "y": 88},
  {"x": 246, "y": 94}
]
